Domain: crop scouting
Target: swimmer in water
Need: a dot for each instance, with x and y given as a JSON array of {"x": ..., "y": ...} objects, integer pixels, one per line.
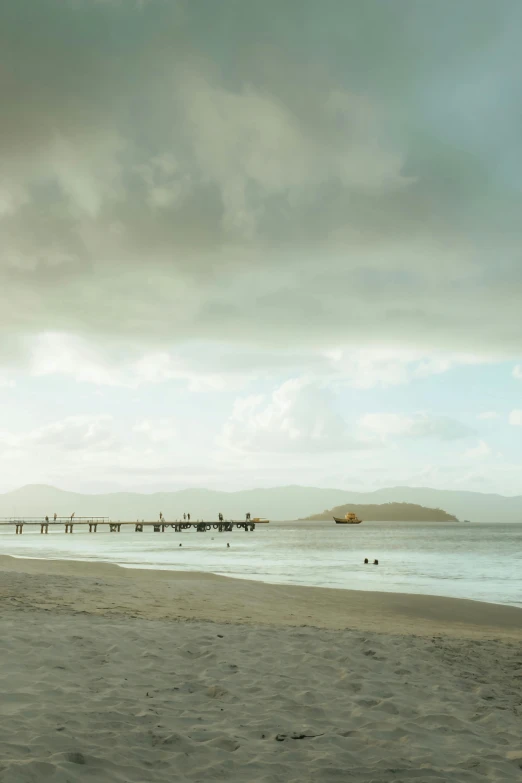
[
  {"x": 365, "y": 561},
  {"x": 228, "y": 545},
  {"x": 376, "y": 562}
]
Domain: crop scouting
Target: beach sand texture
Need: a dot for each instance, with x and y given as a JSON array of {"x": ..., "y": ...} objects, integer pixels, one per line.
[{"x": 110, "y": 674}]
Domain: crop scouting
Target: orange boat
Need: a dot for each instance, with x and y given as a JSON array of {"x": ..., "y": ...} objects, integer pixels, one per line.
[{"x": 349, "y": 519}]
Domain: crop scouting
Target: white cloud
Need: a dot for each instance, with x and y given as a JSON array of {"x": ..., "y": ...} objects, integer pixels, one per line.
[
  {"x": 72, "y": 434},
  {"x": 203, "y": 369},
  {"x": 480, "y": 451},
  {"x": 58, "y": 353},
  {"x": 162, "y": 366},
  {"x": 160, "y": 430},
  {"x": 391, "y": 366},
  {"x": 391, "y": 426},
  {"x": 365, "y": 369},
  {"x": 384, "y": 425},
  {"x": 515, "y": 418},
  {"x": 299, "y": 417},
  {"x": 485, "y": 415}
]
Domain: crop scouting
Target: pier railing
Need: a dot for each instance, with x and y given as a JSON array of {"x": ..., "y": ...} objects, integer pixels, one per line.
[{"x": 69, "y": 523}]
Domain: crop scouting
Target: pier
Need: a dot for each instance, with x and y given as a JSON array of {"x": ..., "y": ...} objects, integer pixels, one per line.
[{"x": 68, "y": 523}]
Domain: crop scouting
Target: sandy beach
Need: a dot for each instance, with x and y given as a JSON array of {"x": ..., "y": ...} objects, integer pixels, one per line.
[{"x": 113, "y": 674}]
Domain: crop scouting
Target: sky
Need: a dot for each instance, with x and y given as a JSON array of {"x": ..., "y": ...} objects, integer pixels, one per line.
[{"x": 250, "y": 244}]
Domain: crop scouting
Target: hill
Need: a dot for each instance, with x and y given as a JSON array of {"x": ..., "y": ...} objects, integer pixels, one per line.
[
  {"x": 291, "y": 502},
  {"x": 388, "y": 512}
]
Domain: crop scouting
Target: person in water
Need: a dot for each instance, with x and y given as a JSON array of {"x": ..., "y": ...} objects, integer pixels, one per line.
[
  {"x": 376, "y": 562},
  {"x": 228, "y": 546},
  {"x": 365, "y": 561}
]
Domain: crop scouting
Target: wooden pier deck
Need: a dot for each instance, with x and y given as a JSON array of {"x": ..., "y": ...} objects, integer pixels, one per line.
[{"x": 93, "y": 523}]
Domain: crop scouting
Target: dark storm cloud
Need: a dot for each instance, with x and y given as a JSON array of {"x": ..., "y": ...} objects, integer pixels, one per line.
[{"x": 292, "y": 173}]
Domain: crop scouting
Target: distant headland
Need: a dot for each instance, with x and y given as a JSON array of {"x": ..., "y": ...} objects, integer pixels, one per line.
[{"x": 386, "y": 512}]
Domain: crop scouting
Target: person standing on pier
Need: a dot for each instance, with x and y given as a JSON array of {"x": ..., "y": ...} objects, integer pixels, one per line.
[
  {"x": 184, "y": 516},
  {"x": 188, "y": 517},
  {"x": 55, "y": 515}
]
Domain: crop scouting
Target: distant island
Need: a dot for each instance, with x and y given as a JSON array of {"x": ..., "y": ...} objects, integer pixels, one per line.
[{"x": 386, "y": 512}]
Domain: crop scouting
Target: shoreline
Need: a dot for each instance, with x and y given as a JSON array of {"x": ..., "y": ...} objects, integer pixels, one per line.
[
  {"x": 203, "y": 574},
  {"x": 110, "y": 589}
]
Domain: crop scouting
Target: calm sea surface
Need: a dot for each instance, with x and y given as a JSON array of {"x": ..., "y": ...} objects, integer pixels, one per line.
[{"x": 483, "y": 562}]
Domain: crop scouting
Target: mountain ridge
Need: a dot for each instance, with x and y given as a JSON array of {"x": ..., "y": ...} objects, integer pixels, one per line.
[{"x": 277, "y": 503}]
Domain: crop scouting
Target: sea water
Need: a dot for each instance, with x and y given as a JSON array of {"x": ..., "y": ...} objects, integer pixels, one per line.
[{"x": 481, "y": 562}]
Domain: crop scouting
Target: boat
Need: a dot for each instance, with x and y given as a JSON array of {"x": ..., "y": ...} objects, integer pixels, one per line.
[
  {"x": 260, "y": 520},
  {"x": 349, "y": 519}
]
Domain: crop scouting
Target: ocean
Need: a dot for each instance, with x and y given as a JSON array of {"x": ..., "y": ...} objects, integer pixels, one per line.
[{"x": 481, "y": 562}]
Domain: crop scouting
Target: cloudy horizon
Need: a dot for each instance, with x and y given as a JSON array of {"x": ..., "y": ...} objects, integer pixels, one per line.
[{"x": 257, "y": 244}]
